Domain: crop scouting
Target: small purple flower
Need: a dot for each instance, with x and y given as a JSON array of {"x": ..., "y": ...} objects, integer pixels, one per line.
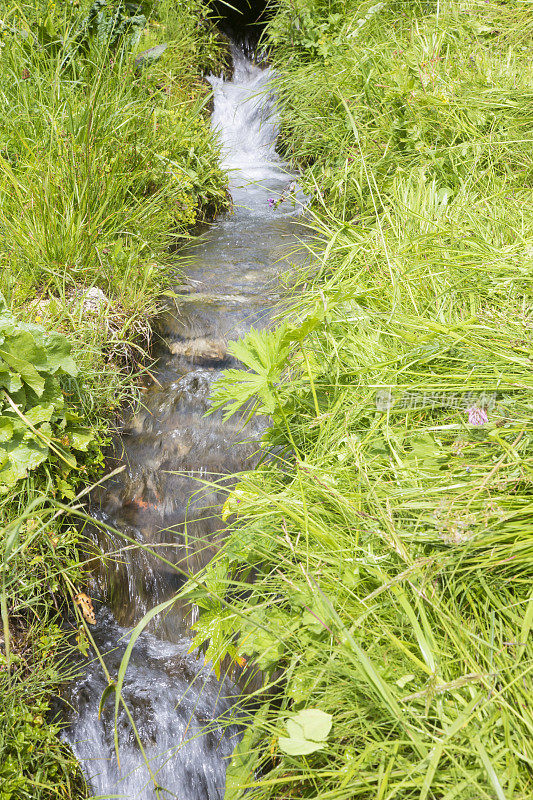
[
  {"x": 271, "y": 202},
  {"x": 477, "y": 416}
]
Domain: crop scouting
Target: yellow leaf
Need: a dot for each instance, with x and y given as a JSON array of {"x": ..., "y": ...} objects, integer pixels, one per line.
[{"x": 86, "y": 604}]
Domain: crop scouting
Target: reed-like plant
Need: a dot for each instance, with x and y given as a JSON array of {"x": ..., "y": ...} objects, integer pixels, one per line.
[{"x": 104, "y": 169}]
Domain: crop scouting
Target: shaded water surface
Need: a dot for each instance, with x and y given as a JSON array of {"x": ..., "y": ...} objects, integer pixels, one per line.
[{"x": 163, "y": 500}]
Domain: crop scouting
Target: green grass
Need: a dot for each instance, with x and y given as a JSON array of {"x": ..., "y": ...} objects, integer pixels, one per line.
[
  {"x": 104, "y": 171},
  {"x": 41, "y": 566},
  {"x": 390, "y": 550}
]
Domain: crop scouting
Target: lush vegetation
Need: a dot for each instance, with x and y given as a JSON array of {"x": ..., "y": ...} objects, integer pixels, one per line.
[
  {"x": 389, "y": 544},
  {"x": 105, "y": 165}
]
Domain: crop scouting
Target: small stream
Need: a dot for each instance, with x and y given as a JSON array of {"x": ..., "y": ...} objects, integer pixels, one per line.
[{"x": 164, "y": 499}]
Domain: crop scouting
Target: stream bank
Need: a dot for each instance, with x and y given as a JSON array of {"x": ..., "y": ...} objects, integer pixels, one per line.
[
  {"x": 391, "y": 552},
  {"x": 392, "y": 549},
  {"x": 104, "y": 170},
  {"x": 165, "y": 506}
]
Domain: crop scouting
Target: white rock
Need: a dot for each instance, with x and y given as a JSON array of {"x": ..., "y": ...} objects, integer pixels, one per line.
[{"x": 93, "y": 300}]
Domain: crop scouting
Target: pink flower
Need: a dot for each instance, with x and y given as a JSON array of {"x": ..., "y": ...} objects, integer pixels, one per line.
[{"x": 477, "y": 416}]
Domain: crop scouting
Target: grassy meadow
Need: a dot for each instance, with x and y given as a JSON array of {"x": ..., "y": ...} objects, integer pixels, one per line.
[
  {"x": 390, "y": 545},
  {"x": 105, "y": 167}
]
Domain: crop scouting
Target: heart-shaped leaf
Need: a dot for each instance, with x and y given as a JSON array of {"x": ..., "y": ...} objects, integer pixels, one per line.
[
  {"x": 308, "y": 731},
  {"x": 298, "y": 747},
  {"x": 315, "y": 724}
]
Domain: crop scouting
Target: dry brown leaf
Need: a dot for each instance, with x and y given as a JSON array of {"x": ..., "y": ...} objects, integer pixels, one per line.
[{"x": 86, "y": 604}]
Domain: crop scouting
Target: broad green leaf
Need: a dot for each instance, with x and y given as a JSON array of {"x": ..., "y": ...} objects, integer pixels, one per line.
[
  {"x": 58, "y": 354},
  {"x": 308, "y": 731},
  {"x": 298, "y": 747},
  {"x": 40, "y": 413},
  {"x": 80, "y": 438},
  {"x": 6, "y": 429},
  {"x": 314, "y": 723},
  {"x": 21, "y": 458},
  {"x": 23, "y": 368},
  {"x": 9, "y": 380}
]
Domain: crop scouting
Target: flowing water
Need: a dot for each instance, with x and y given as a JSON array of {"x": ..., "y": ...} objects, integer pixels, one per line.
[{"x": 165, "y": 502}]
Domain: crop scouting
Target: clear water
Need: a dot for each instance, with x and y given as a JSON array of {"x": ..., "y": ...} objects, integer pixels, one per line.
[{"x": 162, "y": 501}]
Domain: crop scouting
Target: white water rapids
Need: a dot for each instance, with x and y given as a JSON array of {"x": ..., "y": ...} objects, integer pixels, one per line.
[{"x": 180, "y": 710}]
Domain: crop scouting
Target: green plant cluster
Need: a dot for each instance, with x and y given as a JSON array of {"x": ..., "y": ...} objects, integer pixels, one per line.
[
  {"x": 46, "y": 450},
  {"x": 105, "y": 167},
  {"x": 34, "y": 420},
  {"x": 40, "y": 557},
  {"x": 109, "y": 25},
  {"x": 28, "y": 738},
  {"x": 378, "y": 564},
  {"x": 411, "y": 113}
]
